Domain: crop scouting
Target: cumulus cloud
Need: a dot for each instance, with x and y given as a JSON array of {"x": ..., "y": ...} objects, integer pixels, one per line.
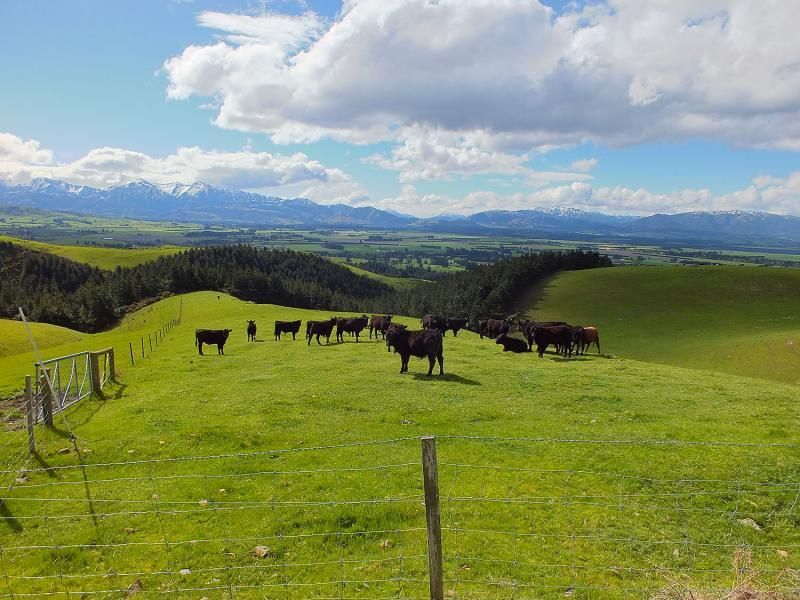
[
  {"x": 14, "y": 149},
  {"x": 776, "y": 195},
  {"x": 618, "y": 72},
  {"x": 280, "y": 174},
  {"x": 584, "y": 165}
]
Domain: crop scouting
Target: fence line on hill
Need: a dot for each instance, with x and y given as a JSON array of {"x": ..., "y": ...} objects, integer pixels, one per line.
[{"x": 500, "y": 517}]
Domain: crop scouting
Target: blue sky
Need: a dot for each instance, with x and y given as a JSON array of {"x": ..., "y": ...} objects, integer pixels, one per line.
[{"x": 406, "y": 104}]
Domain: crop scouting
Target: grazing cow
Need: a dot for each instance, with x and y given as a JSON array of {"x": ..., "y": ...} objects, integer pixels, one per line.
[
  {"x": 584, "y": 337},
  {"x": 427, "y": 342},
  {"x": 559, "y": 335},
  {"x": 320, "y": 328},
  {"x": 454, "y": 325},
  {"x": 287, "y": 327},
  {"x": 354, "y": 325},
  {"x": 433, "y": 322},
  {"x": 251, "y": 331},
  {"x": 512, "y": 344},
  {"x": 527, "y": 327},
  {"x": 211, "y": 336},
  {"x": 379, "y": 324},
  {"x": 493, "y": 327}
]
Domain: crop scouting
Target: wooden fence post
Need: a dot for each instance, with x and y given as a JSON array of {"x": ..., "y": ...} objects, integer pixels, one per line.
[
  {"x": 130, "y": 347},
  {"x": 94, "y": 365},
  {"x": 430, "y": 477},
  {"x": 149, "y": 341},
  {"x": 49, "y": 398},
  {"x": 111, "y": 364},
  {"x": 29, "y": 414},
  {"x": 142, "y": 347}
]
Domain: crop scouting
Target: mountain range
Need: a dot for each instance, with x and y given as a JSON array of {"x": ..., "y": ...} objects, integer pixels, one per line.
[{"x": 203, "y": 203}]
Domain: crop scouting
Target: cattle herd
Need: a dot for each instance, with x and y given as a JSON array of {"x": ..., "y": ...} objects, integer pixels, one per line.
[{"x": 428, "y": 341}]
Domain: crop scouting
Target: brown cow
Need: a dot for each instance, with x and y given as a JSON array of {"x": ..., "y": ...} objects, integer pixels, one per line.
[
  {"x": 354, "y": 325},
  {"x": 379, "y": 324},
  {"x": 584, "y": 337},
  {"x": 493, "y": 327},
  {"x": 427, "y": 342},
  {"x": 320, "y": 328},
  {"x": 433, "y": 322}
]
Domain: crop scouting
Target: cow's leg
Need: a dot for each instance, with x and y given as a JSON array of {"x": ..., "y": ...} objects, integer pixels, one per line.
[
  {"x": 431, "y": 362},
  {"x": 309, "y": 339},
  {"x": 440, "y": 356},
  {"x": 540, "y": 348},
  {"x": 200, "y": 348}
]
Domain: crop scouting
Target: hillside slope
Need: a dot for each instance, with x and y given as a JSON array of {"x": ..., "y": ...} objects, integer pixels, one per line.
[
  {"x": 102, "y": 258},
  {"x": 738, "y": 320},
  {"x": 222, "y": 454}
]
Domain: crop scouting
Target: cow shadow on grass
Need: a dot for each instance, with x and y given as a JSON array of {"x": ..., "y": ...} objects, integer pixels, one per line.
[{"x": 447, "y": 377}]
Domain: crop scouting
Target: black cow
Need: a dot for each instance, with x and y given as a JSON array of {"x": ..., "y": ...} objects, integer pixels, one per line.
[
  {"x": 512, "y": 344},
  {"x": 379, "y": 323},
  {"x": 427, "y": 342},
  {"x": 559, "y": 335},
  {"x": 251, "y": 331},
  {"x": 433, "y": 322},
  {"x": 354, "y": 325},
  {"x": 527, "y": 327},
  {"x": 320, "y": 328},
  {"x": 454, "y": 325},
  {"x": 286, "y": 327},
  {"x": 211, "y": 336},
  {"x": 493, "y": 327}
]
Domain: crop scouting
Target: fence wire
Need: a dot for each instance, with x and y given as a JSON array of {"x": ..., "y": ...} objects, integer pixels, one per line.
[{"x": 521, "y": 518}]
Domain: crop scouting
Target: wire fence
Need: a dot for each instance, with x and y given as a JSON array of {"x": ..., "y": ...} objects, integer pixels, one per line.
[{"x": 520, "y": 518}]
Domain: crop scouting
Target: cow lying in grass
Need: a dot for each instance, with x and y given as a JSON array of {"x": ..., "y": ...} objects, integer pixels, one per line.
[
  {"x": 427, "y": 342},
  {"x": 512, "y": 344}
]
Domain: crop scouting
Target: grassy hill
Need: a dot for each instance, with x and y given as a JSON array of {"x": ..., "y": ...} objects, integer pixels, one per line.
[
  {"x": 738, "y": 320},
  {"x": 102, "y": 258},
  {"x": 395, "y": 282},
  {"x": 204, "y": 459}
]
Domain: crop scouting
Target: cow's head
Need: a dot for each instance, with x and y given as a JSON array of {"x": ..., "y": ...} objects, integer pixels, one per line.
[
  {"x": 388, "y": 318},
  {"x": 393, "y": 334},
  {"x": 226, "y": 333},
  {"x": 251, "y": 323}
]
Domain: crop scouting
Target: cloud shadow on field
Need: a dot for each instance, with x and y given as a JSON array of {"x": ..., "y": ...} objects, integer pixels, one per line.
[{"x": 447, "y": 377}]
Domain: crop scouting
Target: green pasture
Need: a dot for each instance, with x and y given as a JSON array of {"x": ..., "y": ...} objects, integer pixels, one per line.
[
  {"x": 192, "y": 462},
  {"x": 738, "y": 320},
  {"x": 97, "y": 256}
]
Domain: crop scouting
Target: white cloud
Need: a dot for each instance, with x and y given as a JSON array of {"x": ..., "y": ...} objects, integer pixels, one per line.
[
  {"x": 774, "y": 195},
  {"x": 278, "y": 174},
  {"x": 584, "y": 165},
  {"x": 14, "y": 149},
  {"x": 510, "y": 72}
]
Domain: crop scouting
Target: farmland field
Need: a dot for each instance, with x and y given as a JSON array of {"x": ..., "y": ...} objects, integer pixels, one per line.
[
  {"x": 243, "y": 475},
  {"x": 737, "y": 320}
]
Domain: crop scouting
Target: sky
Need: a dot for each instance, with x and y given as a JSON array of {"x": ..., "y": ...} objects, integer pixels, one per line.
[{"x": 419, "y": 106}]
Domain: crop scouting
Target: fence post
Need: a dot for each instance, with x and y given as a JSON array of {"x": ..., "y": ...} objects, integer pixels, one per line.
[
  {"x": 130, "y": 347},
  {"x": 149, "y": 341},
  {"x": 29, "y": 415},
  {"x": 112, "y": 366},
  {"x": 48, "y": 399},
  {"x": 142, "y": 347},
  {"x": 430, "y": 476},
  {"x": 94, "y": 366}
]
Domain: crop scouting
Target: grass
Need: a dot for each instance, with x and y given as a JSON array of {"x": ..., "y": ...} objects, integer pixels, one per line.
[
  {"x": 736, "y": 320},
  {"x": 571, "y": 519},
  {"x": 395, "y": 282},
  {"x": 102, "y": 258}
]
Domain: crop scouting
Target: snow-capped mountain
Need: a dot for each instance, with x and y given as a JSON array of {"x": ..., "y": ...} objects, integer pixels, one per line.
[{"x": 203, "y": 203}]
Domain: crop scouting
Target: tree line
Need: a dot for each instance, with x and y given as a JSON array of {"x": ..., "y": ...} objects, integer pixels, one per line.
[{"x": 56, "y": 290}]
